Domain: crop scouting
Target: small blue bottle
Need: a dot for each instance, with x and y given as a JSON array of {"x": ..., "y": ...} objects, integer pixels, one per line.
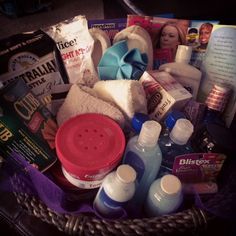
[
  {"x": 164, "y": 196},
  {"x": 174, "y": 144},
  {"x": 138, "y": 120},
  {"x": 116, "y": 190},
  {"x": 144, "y": 155},
  {"x": 170, "y": 121}
]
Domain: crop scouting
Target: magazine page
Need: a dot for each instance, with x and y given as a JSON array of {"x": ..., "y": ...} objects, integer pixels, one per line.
[
  {"x": 166, "y": 35},
  {"x": 198, "y": 36},
  {"x": 219, "y": 66}
]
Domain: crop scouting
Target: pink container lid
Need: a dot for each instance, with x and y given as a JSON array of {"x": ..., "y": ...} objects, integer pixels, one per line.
[{"x": 90, "y": 145}]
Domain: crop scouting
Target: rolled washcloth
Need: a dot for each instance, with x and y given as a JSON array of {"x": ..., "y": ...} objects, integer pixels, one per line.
[
  {"x": 81, "y": 100},
  {"x": 128, "y": 95},
  {"x": 137, "y": 37}
]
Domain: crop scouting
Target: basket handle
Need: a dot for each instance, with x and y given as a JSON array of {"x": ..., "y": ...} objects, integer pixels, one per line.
[{"x": 190, "y": 220}]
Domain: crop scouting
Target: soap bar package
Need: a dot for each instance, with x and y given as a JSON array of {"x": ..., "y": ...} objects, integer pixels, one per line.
[{"x": 163, "y": 93}]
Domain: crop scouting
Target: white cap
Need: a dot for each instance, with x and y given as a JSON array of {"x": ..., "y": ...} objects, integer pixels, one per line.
[
  {"x": 181, "y": 131},
  {"x": 126, "y": 174},
  {"x": 149, "y": 133},
  {"x": 171, "y": 185},
  {"x": 183, "y": 54}
]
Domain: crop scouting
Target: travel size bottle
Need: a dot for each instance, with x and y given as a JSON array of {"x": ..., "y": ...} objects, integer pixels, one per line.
[
  {"x": 186, "y": 74},
  {"x": 144, "y": 155},
  {"x": 164, "y": 196},
  {"x": 177, "y": 143},
  {"x": 116, "y": 190},
  {"x": 170, "y": 121}
]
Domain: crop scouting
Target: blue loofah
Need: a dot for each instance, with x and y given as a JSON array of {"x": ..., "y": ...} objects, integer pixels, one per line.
[{"x": 118, "y": 62}]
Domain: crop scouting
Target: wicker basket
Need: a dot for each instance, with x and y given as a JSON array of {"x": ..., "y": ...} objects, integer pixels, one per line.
[{"x": 192, "y": 220}]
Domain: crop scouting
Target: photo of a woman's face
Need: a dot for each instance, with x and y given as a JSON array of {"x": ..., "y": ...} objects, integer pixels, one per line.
[
  {"x": 169, "y": 37},
  {"x": 204, "y": 35}
]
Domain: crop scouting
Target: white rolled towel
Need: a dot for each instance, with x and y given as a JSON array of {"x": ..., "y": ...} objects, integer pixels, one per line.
[
  {"x": 137, "y": 37},
  {"x": 81, "y": 100},
  {"x": 128, "y": 95}
]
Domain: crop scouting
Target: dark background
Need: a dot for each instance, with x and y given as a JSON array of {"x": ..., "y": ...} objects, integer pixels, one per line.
[{"x": 14, "y": 221}]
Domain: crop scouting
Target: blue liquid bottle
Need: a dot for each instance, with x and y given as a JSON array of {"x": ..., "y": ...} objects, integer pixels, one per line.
[
  {"x": 176, "y": 143},
  {"x": 144, "y": 155},
  {"x": 170, "y": 121},
  {"x": 116, "y": 190},
  {"x": 164, "y": 196}
]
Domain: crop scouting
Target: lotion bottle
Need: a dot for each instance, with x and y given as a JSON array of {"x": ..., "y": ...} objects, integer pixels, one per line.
[
  {"x": 144, "y": 155},
  {"x": 164, "y": 196},
  {"x": 115, "y": 192},
  {"x": 186, "y": 74}
]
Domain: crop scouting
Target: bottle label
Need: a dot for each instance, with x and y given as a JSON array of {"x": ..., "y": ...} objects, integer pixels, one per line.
[
  {"x": 108, "y": 207},
  {"x": 134, "y": 160}
]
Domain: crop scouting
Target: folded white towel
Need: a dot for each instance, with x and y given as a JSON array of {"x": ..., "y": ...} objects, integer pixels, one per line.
[
  {"x": 137, "y": 37},
  {"x": 128, "y": 95},
  {"x": 81, "y": 100}
]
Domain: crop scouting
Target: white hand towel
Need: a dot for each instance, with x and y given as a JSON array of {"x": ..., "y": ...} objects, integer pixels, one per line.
[
  {"x": 137, "y": 37},
  {"x": 128, "y": 95},
  {"x": 81, "y": 100}
]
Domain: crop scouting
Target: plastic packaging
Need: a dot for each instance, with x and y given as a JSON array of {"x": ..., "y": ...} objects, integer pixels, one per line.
[
  {"x": 116, "y": 190},
  {"x": 164, "y": 196},
  {"x": 182, "y": 71},
  {"x": 144, "y": 155}
]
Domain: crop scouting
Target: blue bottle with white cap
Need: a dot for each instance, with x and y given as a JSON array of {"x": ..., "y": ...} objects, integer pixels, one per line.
[
  {"x": 164, "y": 196},
  {"x": 116, "y": 190},
  {"x": 170, "y": 121},
  {"x": 174, "y": 144},
  {"x": 144, "y": 155}
]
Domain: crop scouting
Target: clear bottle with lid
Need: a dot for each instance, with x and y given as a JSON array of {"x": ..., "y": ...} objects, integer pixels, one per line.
[
  {"x": 138, "y": 120},
  {"x": 164, "y": 196},
  {"x": 144, "y": 155},
  {"x": 170, "y": 121},
  {"x": 182, "y": 71},
  {"x": 177, "y": 143},
  {"x": 116, "y": 190}
]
